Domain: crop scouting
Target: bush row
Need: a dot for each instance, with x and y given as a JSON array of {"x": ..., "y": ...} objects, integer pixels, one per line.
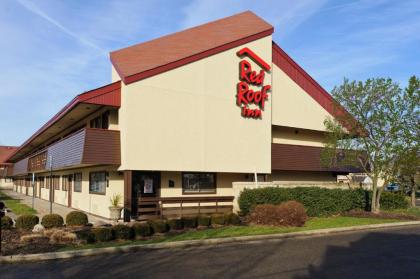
[
  {"x": 319, "y": 201},
  {"x": 28, "y": 221},
  {"x": 146, "y": 229},
  {"x": 290, "y": 213}
]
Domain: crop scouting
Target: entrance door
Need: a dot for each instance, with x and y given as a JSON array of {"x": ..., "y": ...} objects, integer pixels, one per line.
[{"x": 144, "y": 184}]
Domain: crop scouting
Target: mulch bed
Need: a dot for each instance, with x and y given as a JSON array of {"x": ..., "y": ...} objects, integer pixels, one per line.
[
  {"x": 381, "y": 215},
  {"x": 11, "y": 244}
]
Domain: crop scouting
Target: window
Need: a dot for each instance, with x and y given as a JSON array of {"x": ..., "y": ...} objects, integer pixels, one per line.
[
  {"x": 199, "y": 182},
  {"x": 64, "y": 183},
  {"x": 56, "y": 182},
  {"x": 41, "y": 182},
  {"x": 98, "y": 182},
  {"x": 78, "y": 182},
  {"x": 101, "y": 122}
]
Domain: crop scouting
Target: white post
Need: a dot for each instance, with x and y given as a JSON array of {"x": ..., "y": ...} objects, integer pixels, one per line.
[{"x": 256, "y": 178}]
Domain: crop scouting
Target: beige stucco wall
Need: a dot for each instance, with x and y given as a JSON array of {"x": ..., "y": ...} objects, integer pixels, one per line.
[
  {"x": 6, "y": 184},
  {"x": 293, "y": 107},
  {"x": 187, "y": 119},
  {"x": 114, "y": 75},
  {"x": 295, "y": 136},
  {"x": 91, "y": 203}
]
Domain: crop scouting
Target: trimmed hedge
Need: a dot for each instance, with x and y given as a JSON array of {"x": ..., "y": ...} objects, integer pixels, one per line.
[
  {"x": 86, "y": 235},
  {"x": 142, "y": 229},
  {"x": 103, "y": 234},
  {"x": 26, "y": 221},
  {"x": 203, "y": 220},
  {"x": 52, "y": 221},
  {"x": 175, "y": 224},
  {"x": 232, "y": 219},
  {"x": 123, "y": 232},
  {"x": 159, "y": 226},
  {"x": 6, "y": 223},
  {"x": 76, "y": 218},
  {"x": 319, "y": 201},
  {"x": 190, "y": 222},
  {"x": 217, "y": 219},
  {"x": 290, "y": 213}
]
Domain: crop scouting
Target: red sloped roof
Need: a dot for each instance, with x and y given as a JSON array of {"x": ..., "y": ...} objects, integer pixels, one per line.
[
  {"x": 109, "y": 95},
  {"x": 153, "y": 57},
  {"x": 5, "y": 152},
  {"x": 310, "y": 86}
]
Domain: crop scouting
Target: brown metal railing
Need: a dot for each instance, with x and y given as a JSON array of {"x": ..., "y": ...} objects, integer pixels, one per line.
[{"x": 156, "y": 205}]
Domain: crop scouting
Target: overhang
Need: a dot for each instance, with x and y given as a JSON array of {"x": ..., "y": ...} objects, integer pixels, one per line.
[{"x": 78, "y": 108}]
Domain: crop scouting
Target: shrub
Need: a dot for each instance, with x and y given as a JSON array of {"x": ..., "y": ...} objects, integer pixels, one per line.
[
  {"x": 175, "y": 224},
  {"x": 190, "y": 222},
  {"x": 159, "y": 226},
  {"x": 26, "y": 222},
  {"x": 232, "y": 219},
  {"x": 62, "y": 237},
  {"x": 103, "y": 234},
  {"x": 318, "y": 201},
  {"x": 290, "y": 213},
  {"x": 393, "y": 201},
  {"x": 52, "y": 221},
  {"x": 76, "y": 218},
  {"x": 217, "y": 219},
  {"x": 86, "y": 235},
  {"x": 6, "y": 223},
  {"x": 123, "y": 232},
  {"x": 142, "y": 229},
  {"x": 204, "y": 220}
]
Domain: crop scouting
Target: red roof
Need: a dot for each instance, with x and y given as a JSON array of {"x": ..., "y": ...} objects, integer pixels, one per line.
[
  {"x": 109, "y": 95},
  {"x": 153, "y": 57},
  {"x": 5, "y": 152}
]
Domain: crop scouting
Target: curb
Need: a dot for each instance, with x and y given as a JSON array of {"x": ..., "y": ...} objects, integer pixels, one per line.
[{"x": 193, "y": 243}]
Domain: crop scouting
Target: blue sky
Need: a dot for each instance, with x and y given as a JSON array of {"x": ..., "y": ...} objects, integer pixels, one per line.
[{"x": 51, "y": 50}]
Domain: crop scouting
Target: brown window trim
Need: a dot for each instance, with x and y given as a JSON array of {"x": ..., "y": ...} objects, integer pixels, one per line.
[
  {"x": 106, "y": 178},
  {"x": 199, "y": 192}
]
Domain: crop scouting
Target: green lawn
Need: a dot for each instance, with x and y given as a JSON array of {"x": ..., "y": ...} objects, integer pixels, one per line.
[
  {"x": 15, "y": 205},
  {"x": 229, "y": 231},
  {"x": 415, "y": 211}
]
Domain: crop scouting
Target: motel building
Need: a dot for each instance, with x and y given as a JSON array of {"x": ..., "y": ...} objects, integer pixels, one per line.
[{"x": 184, "y": 118}]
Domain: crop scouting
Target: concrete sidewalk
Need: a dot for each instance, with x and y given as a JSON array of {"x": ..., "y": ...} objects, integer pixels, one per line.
[{"x": 43, "y": 207}]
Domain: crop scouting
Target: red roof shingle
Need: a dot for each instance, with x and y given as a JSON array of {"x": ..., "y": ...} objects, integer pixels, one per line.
[
  {"x": 5, "y": 152},
  {"x": 153, "y": 57}
]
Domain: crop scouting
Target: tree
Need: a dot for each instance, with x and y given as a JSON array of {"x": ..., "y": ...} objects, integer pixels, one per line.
[
  {"x": 408, "y": 151},
  {"x": 369, "y": 129}
]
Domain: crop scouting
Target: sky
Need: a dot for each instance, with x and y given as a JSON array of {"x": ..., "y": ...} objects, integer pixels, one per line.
[{"x": 52, "y": 50}]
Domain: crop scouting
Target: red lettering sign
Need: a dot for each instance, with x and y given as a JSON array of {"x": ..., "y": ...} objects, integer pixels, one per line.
[{"x": 247, "y": 76}]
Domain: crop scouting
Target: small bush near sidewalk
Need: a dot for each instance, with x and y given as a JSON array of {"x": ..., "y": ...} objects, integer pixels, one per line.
[
  {"x": 6, "y": 223},
  {"x": 232, "y": 219},
  {"x": 76, "y": 218},
  {"x": 86, "y": 235},
  {"x": 159, "y": 226},
  {"x": 175, "y": 224},
  {"x": 289, "y": 213},
  {"x": 103, "y": 234},
  {"x": 203, "y": 220},
  {"x": 62, "y": 237},
  {"x": 142, "y": 229},
  {"x": 190, "y": 222},
  {"x": 26, "y": 222},
  {"x": 218, "y": 219},
  {"x": 123, "y": 232},
  {"x": 52, "y": 221}
]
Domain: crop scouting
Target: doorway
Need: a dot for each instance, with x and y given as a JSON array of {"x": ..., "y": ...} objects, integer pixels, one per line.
[{"x": 145, "y": 184}]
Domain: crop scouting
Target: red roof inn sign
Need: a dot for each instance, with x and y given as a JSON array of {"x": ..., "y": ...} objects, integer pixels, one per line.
[{"x": 248, "y": 77}]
